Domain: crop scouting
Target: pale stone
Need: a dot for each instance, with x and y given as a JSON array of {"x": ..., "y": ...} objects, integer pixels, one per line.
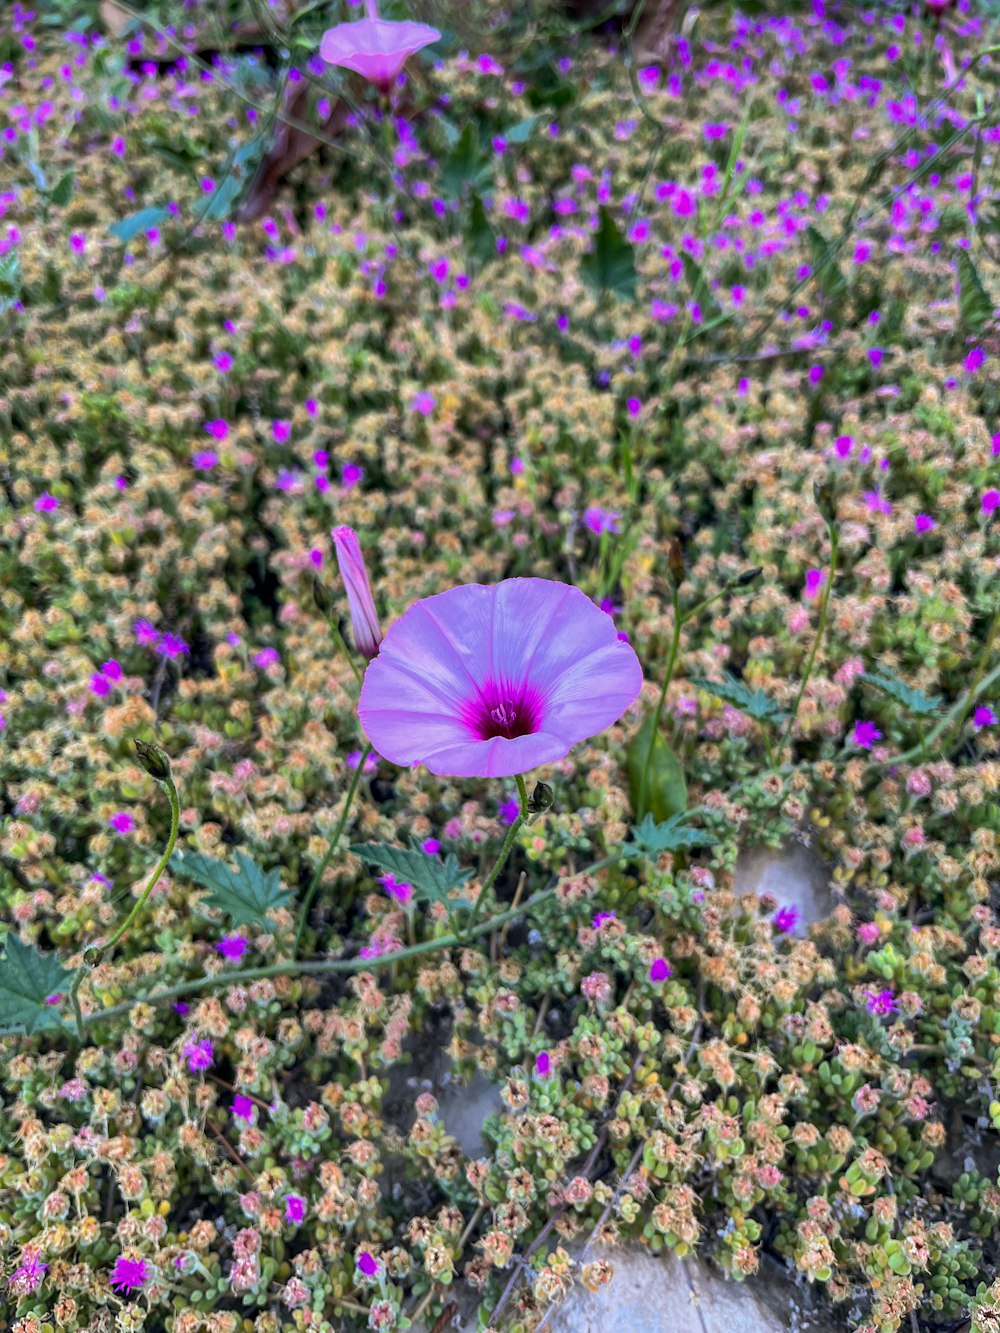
[{"x": 794, "y": 876}]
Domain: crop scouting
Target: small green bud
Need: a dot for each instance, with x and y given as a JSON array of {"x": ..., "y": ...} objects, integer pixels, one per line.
[
  {"x": 541, "y": 799},
  {"x": 93, "y": 956},
  {"x": 748, "y": 576},
  {"x": 154, "y": 761},
  {"x": 823, "y": 493},
  {"x": 675, "y": 561}
]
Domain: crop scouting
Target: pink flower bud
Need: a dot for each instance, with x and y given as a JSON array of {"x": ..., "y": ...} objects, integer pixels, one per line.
[{"x": 364, "y": 617}]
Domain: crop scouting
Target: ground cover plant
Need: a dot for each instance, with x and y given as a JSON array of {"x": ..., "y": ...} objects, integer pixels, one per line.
[{"x": 690, "y": 363}]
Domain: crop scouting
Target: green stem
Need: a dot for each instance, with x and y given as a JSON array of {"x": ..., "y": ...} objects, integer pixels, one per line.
[
  {"x": 820, "y": 630},
  {"x": 675, "y": 643},
  {"x": 334, "y": 841},
  {"x": 167, "y": 784},
  {"x": 505, "y": 851},
  {"x": 984, "y": 657},
  {"x": 321, "y": 967},
  {"x": 338, "y": 639}
]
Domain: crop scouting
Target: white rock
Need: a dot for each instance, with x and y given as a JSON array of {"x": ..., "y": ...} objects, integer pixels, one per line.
[{"x": 794, "y": 876}]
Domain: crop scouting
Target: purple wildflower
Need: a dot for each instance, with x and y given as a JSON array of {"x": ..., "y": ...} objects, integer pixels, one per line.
[
  {"x": 129, "y": 1274},
  {"x": 543, "y": 1064},
  {"x": 786, "y": 919},
  {"x": 990, "y": 501},
  {"x": 199, "y": 1055},
  {"x": 430, "y": 846},
  {"x": 924, "y": 523},
  {"x": 815, "y": 578},
  {"x": 866, "y": 734},
  {"x": 660, "y": 970},
  {"x": 880, "y": 1003},
  {"x": 233, "y": 946},
  {"x": 398, "y": 889},
  {"x": 601, "y": 917},
  {"x": 172, "y": 645},
  {"x": 46, "y": 503},
  {"x": 367, "y": 1264},
  {"x": 242, "y": 1108},
  {"x": 122, "y": 822},
  {"x": 984, "y": 716},
  {"x": 295, "y": 1208},
  {"x": 26, "y": 1278},
  {"x": 601, "y": 520}
]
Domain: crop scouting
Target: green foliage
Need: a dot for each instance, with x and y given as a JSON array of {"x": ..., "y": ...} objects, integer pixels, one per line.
[
  {"x": 243, "y": 896},
  {"x": 755, "y": 703},
  {"x": 609, "y": 266},
  {"x": 432, "y": 878},
  {"x": 10, "y": 280},
  {"x": 829, "y": 278},
  {"x": 27, "y": 979},
  {"x": 127, "y": 229},
  {"x": 656, "y": 780},
  {"x": 466, "y": 167},
  {"x": 975, "y": 306},
  {"x": 914, "y": 701},
  {"x": 650, "y": 839}
]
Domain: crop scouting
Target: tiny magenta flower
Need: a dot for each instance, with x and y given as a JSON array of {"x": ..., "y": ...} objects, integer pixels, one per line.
[
  {"x": 494, "y": 681},
  {"x": 122, "y": 822},
  {"x": 367, "y": 1264},
  {"x": 242, "y": 1107},
  {"x": 786, "y": 919},
  {"x": 984, "y": 716},
  {"x": 129, "y": 1274},
  {"x": 364, "y": 617},
  {"x": 866, "y": 734},
  {"x": 990, "y": 501},
  {"x": 26, "y": 1278},
  {"x": 868, "y": 932},
  {"x": 46, "y": 503},
  {"x": 815, "y": 578},
  {"x": 398, "y": 889},
  {"x": 295, "y": 1208},
  {"x": 924, "y": 523},
  {"x": 600, "y": 918},
  {"x": 660, "y": 970},
  {"x": 233, "y": 946},
  {"x": 199, "y": 1055},
  {"x": 543, "y": 1064},
  {"x": 881, "y": 1003},
  {"x": 430, "y": 846}
]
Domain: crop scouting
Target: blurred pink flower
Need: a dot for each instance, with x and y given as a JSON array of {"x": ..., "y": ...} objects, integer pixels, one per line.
[{"x": 375, "y": 48}]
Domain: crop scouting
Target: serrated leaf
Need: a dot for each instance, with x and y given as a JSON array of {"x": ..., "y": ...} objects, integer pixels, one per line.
[
  {"x": 975, "y": 308},
  {"x": 127, "y": 229},
  {"x": 755, "y": 703},
  {"x": 464, "y": 166},
  {"x": 610, "y": 264},
  {"x": 482, "y": 237},
  {"x": 244, "y": 896},
  {"x": 914, "y": 700},
  {"x": 651, "y": 839},
  {"x": 656, "y": 780},
  {"x": 27, "y": 979},
  {"x": 432, "y": 878},
  {"x": 829, "y": 279}
]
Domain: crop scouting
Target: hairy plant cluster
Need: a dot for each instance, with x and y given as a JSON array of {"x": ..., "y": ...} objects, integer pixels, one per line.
[{"x": 185, "y": 414}]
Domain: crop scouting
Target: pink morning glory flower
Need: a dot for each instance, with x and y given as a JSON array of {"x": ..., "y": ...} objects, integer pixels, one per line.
[
  {"x": 866, "y": 734},
  {"x": 367, "y": 1264},
  {"x": 233, "y": 946},
  {"x": 924, "y": 523},
  {"x": 122, "y": 822},
  {"x": 543, "y": 1065},
  {"x": 129, "y": 1274},
  {"x": 375, "y": 48},
  {"x": 660, "y": 970},
  {"x": 242, "y": 1107},
  {"x": 984, "y": 716},
  {"x": 786, "y": 919},
  {"x": 199, "y": 1055},
  {"x": 295, "y": 1208},
  {"x": 364, "y": 617},
  {"x": 493, "y": 681},
  {"x": 46, "y": 503},
  {"x": 815, "y": 578}
]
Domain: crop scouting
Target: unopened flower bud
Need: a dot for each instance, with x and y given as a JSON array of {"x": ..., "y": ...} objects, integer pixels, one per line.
[
  {"x": 748, "y": 576},
  {"x": 364, "y": 617},
  {"x": 675, "y": 561},
  {"x": 823, "y": 493},
  {"x": 541, "y": 799},
  {"x": 322, "y": 598},
  {"x": 154, "y": 760},
  {"x": 93, "y": 956}
]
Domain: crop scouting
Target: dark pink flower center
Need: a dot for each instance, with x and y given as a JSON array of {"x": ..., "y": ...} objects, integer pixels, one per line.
[{"x": 502, "y": 709}]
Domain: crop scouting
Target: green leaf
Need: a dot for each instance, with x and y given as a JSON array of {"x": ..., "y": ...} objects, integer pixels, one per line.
[
  {"x": 10, "y": 280},
  {"x": 431, "y": 878},
  {"x": 651, "y": 839},
  {"x": 829, "y": 279},
  {"x": 914, "y": 700},
  {"x": 238, "y": 172},
  {"x": 975, "y": 308},
  {"x": 464, "y": 166},
  {"x": 665, "y": 792},
  {"x": 244, "y": 896},
  {"x": 27, "y": 979},
  {"x": 127, "y": 229},
  {"x": 62, "y": 192},
  {"x": 755, "y": 703},
  {"x": 522, "y": 131},
  {"x": 482, "y": 237},
  {"x": 610, "y": 264}
]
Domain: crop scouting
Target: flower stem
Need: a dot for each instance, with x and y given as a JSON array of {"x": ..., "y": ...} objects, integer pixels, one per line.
[
  {"x": 675, "y": 643},
  {"x": 168, "y": 786},
  {"x": 980, "y": 669},
  {"x": 334, "y": 841},
  {"x": 820, "y": 630},
  {"x": 505, "y": 851}
]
